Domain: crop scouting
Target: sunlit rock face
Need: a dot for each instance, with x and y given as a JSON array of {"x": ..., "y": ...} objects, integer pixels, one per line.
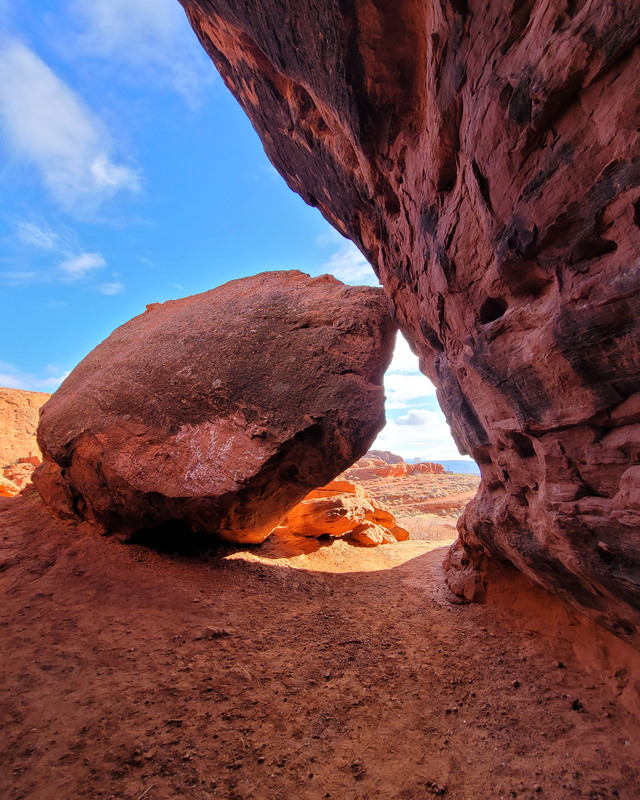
[
  {"x": 485, "y": 158},
  {"x": 219, "y": 411}
]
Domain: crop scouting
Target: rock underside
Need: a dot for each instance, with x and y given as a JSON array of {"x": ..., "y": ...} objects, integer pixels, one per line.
[
  {"x": 486, "y": 160},
  {"x": 219, "y": 411}
]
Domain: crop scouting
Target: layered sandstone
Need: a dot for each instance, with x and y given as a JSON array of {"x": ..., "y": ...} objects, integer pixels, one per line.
[
  {"x": 486, "y": 160},
  {"x": 219, "y": 411},
  {"x": 342, "y": 509}
]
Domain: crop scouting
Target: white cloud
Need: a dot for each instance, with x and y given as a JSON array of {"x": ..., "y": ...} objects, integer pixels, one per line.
[
  {"x": 404, "y": 384},
  {"x": 46, "y": 124},
  {"x": 421, "y": 433},
  {"x": 405, "y": 390},
  {"x": 152, "y": 36},
  {"x": 13, "y": 378},
  {"x": 81, "y": 265},
  {"x": 350, "y": 266},
  {"x": 417, "y": 416},
  {"x": 111, "y": 288},
  {"x": 405, "y": 361}
]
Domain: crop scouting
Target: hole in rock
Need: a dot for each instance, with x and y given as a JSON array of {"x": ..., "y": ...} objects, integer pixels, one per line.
[
  {"x": 414, "y": 480},
  {"x": 493, "y": 308},
  {"x": 414, "y": 468},
  {"x": 523, "y": 444}
]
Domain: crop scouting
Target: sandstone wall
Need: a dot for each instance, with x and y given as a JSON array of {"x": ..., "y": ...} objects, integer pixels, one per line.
[
  {"x": 485, "y": 158},
  {"x": 19, "y": 412}
]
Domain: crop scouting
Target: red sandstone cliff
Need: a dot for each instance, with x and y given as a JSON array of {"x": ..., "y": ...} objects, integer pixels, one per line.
[
  {"x": 372, "y": 466},
  {"x": 485, "y": 158},
  {"x": 18, "y": 423},
  {"x": 19, "y": 451}
]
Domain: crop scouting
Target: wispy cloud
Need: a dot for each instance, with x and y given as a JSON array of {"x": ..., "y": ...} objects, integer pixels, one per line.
[
  {"x": 11, "y": 377},
  {"x": 420, "y": 432},
  {"x": 350, "y": 266},
  {"x": 111, "y": 288},
  {"x": 20, "y": 277},
  {"x": 46, "y": 124},
  {"x": 80, "y": 266},
  {"x": 153, "y": 36},
  {"x": 59, "y": 249},
  {"x": 404, "y": 384},
  {"x": 41, "y": 236}
]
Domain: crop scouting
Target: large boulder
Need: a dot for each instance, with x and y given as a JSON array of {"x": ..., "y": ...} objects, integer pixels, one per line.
[
  {"x": 220, "y": 410},
  {"x": 486, "y": 159}
]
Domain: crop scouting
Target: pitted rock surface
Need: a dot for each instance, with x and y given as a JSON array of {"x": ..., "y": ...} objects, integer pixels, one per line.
[
  {"x": 486, "y": 159},
  {"x": 220, "y": 410}
]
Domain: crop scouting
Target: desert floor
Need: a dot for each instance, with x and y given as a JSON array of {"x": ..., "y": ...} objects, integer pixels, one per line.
[{"x": 310, "y": 670}]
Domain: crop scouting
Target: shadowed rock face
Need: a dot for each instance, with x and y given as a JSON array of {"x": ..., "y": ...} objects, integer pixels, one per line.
[
  {"x": 220, "y": 410},
  {"x": 485, "y": 158}
]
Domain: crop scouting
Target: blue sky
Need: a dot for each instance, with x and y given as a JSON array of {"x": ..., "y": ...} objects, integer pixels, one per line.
[{"x": 129, "y": 175}]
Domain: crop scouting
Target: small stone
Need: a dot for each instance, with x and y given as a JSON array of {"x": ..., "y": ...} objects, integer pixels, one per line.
[{"x": 212, "y": 633}]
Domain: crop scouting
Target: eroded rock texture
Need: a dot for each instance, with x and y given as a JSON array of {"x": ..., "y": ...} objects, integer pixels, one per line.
[
  {"x": 220, "y": 410},
  {"x": 485, "y": 158}
]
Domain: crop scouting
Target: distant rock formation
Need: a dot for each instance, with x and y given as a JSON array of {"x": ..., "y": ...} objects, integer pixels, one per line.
[
  {"x": 385, "y": 455},
  {"x": 485, "y": 158},
  {"x": 19, "y": 451},
  {"x": 221, "y": 410},
  {"x": 382, "y": 464},
  {"x": 19, "y": 412},
  {"x": 342, "y": 509}
]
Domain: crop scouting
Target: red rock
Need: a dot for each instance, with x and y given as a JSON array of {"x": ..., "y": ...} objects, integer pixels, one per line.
[
  {"x": 219, "y": 410},
  {"x": 20, "y": 473},
  {"x": 384, "y": 455},
  {"x": 34, "y": 461},
  {"x": 375, "y": 466},
  {"x": 343, "y": 510},
  {"x": 7, "y": 487},
  {"x": 19, "y": 412},
  {"x": 486, "y": 159}
]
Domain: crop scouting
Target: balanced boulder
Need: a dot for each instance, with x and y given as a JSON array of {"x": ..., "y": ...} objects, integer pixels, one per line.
[{"x": 222, "y": 410}]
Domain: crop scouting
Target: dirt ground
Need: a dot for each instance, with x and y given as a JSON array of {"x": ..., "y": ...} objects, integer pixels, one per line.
[{"x": 294, "y": 671}]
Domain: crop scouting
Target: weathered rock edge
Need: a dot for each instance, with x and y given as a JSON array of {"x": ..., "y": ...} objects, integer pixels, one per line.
[
  {"x": 220, "y": 410},
  {"x": 486, "y": 160}
]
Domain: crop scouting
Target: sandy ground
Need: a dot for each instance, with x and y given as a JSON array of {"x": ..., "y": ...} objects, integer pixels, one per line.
[{"x": 315, "y": 671}]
